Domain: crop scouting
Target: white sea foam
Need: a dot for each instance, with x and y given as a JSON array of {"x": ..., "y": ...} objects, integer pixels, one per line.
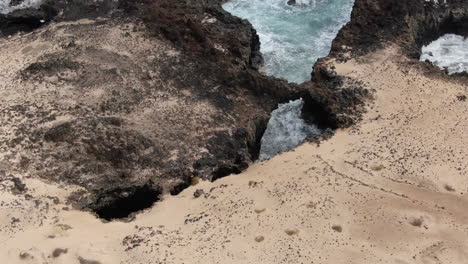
[
  {"x": 5, "y": 7},
  {"x": 286, "y": 130},
  {"x": 449, "y": 51},
  {"x": 293, "y": 37}
]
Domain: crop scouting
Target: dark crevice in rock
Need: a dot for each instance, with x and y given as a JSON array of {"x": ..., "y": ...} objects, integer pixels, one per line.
[
  {"x": 222, "y": 172},
  {"x": 254, "y": 143},
  {"x": 122, "y": 203},
  {"x": 29, "y": 19},
  {"x": 25, "y": 20},
  {"x": 314, "y": 112},
  {"x": 180, "y": 187}
]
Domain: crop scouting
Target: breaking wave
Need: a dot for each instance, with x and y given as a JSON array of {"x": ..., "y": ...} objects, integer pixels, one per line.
[
  {"x": 448, "y": 52},
  {"x": 286, "y": 130},
  {"x": 294, "y": 36}
]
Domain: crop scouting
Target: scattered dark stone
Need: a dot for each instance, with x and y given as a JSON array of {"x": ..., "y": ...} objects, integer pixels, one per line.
[
  {"x": 59, "y": 251},
  {"x": 19, "y": 187},
  {"x": 198, "y": 193},
  {"x": 337, "y": 228},
  {"x": 253, "y": 184},
  {"x": 87, "y": 261},
  {"x": 417, "y": 222},
  {"x": 25, "y": 255},
  {"x": 449, "y": 188},
  {"x": 461, "y": 98}
]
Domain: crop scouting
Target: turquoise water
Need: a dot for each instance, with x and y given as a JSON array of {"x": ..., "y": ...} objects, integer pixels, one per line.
[{"x": 293, "y": 37}]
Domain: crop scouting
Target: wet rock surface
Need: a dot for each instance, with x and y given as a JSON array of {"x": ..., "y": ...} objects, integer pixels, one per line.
[{"x": 411, "y": 24}]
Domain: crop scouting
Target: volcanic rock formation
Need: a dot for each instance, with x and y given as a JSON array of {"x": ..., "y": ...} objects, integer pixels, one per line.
[
  {"x": 144, "y": 95},
  {"x": 412, "y": 24}
]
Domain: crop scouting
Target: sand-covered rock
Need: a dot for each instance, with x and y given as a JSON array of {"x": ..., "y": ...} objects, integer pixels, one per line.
[
  {"x": 142, "y": 94},
  {"x": 114, "y": 110}
]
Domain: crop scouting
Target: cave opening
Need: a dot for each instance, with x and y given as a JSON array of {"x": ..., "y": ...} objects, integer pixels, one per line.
[
  {"x": 444, "y": 45},
  {"x": 122, "y": 203}
]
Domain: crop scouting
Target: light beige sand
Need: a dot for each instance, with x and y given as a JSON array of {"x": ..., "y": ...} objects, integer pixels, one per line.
[{"x": 393, "y": 189}]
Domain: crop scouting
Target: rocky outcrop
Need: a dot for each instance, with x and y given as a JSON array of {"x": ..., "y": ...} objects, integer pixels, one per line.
[
  {"x": 28, "y": 19},
  {"x": 101, "y": 105},
  {"x": 410, "y": 24},
  {"x": 141, "y": 100},
  {"x": 114, "y": 104},
  {"x": 204, "y": 29}
]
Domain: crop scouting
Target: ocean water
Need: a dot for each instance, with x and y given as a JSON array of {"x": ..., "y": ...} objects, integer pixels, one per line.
[
  {"x": 286, "y": 130},
  {"x": 5, "y": 7},
  {"x": 449, "y": 51},
  {"x": 293, "y": 37}
]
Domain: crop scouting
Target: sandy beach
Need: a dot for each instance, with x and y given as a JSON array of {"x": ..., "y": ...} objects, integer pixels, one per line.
[{"x": 391, "y": 189}]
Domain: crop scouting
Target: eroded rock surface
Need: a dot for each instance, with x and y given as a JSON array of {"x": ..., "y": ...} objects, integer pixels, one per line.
[
  {"x": 412, "y": 23},
  {"x": 144, "y": 94},
  {"x": 100, "y": 105}
]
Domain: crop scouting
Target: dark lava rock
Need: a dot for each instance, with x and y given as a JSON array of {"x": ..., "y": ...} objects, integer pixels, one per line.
[
  {"x": 24, "y": 20},
  {"x": 28, "y": 19},
  {"x": 16, "y": 2},
  {"x": 411, "y": 24},
  {"x": 205, "y": 29},
  {"x": 198, "y": 193},
  {"x": 59, "y": 251},
  {"x": 138, "y": 103},
  {"x": 20, "y": 187}
]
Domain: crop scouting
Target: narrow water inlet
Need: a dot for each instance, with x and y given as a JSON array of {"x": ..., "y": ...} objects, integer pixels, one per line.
[
  {"x": 286, "y": 130},
  {"x": 293, "y": 36},
  {"x": 448, "y": 52}
]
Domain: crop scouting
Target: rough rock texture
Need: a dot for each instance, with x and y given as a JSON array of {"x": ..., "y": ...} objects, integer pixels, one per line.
[
  {"x": 100, "y": 105},
  {"x": 25, "y": 20},
  {"x": 151, "y": 93},
  {"x": 203, "y": 28},
  {"x": 412, "y": 23},
  {"x": 375, "y": 24}
]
